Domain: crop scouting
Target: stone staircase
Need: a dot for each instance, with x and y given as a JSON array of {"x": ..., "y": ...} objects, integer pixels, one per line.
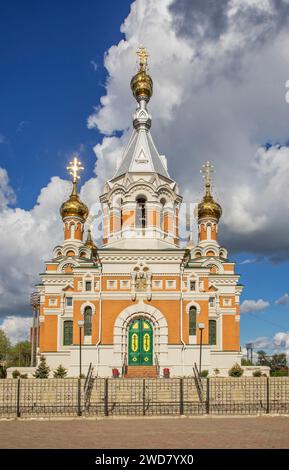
[{"x": 141, "y": 371}]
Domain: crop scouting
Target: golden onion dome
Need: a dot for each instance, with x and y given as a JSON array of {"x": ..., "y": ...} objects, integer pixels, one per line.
[
  {"x": 209, "y": 208},
  {"x": 142, "y": 86},
  {"x": 141, "y": 83},
  {"x": 74, "y": 207}
]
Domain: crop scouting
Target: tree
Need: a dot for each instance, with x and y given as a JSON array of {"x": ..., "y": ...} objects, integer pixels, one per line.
[
  {"x": 5, "y": 346},
  {"x": 42, "y": 371},
  {"x": 246, "y": 362},
  {"x": 263, "y": 359},
  {"x": 20, "y": 354},
  {"x": 278, "y": 364},
  {"x": 60, "y": 372}
]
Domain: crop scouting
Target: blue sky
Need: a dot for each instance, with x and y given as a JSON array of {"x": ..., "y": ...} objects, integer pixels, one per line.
[
  {"x": 53, "y": 75},
  {"x": 49, "y": 85}
]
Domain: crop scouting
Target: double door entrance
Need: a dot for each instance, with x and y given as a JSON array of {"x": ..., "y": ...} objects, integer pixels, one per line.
[{"x": 140, "y": 343}]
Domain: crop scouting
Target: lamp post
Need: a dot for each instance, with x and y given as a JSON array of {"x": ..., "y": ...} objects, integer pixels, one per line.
[
  {"x": 80, "y": 324},
  {"x": 201, "y": 326}
]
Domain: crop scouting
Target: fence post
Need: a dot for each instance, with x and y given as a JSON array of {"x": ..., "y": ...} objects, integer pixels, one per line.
[
  {"x": 79, "y": 413},
  {"x": 18, "y": 414},
  {"x": 268, "y": 395},
  {"x": 106, "y": 397},
  {"x": 208, "y": 397},
  {"x": 144, "y": 397},
  {"x": 181, "y": 396}
]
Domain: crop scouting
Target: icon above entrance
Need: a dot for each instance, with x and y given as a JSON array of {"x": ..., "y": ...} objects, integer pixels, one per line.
[{"x": 140, "y": 343}]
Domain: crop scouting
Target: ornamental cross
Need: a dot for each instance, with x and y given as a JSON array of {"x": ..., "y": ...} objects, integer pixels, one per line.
[
  {"x": 74, "y": 167},
  {"x": 143, "y": 57},
  {"x": 207, "y": 171}
]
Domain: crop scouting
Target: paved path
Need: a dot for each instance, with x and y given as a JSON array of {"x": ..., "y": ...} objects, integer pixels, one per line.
[{"x": 168, "y": 433}]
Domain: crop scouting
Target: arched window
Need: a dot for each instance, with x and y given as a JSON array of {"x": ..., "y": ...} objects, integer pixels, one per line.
[
  {"x": 141, "y": 212},
  {"x": 87, "y": 321},
  {"x": 163, "y": 201},
  {"x": 121, "y": 214},
  {"x": 67, "y": 332},
  {"x": 193, "y": 321},
  {"x": 212, "y": 332}
]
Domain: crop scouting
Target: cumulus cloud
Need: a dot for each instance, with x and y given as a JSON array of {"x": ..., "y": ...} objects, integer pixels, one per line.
[
  {"x": 279, "y": 343},
  {"x": 219, "y": 94},
  {"x": 16, "y": 328},
  {"x": 249, "y": 306},
  {"x": 284, "y": 300},
  {"x": 219, "y": 76},
  {"x": 26, "y": 241}
]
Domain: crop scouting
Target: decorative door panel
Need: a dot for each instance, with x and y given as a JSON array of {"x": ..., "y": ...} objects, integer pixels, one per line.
[{"x": 140, "y": 343}]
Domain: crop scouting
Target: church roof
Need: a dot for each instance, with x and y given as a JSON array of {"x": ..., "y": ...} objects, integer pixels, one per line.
[{"x": 141, "y": 156}]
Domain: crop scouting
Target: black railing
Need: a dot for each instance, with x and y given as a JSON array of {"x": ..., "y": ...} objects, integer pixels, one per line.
[
  {"x": 198, "y": 381},
  {"x": 161, "y": 396},
  {"x": 124, "y": 365}
]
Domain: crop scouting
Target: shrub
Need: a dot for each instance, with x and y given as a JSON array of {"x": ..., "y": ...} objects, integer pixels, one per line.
[
  {"x": 204, "y": 374},
  {"x": 246, "y": 362},
  {"x": 15, "y": 374},
  {"x": 279, "y": 373},
  {"x": 42, "y": 371},
  {"x": 216, "y": 372},
  {"x": 257, "y": 373},
  {"x": 236, "y": 371},
  {"x": 60, "y": 372}
]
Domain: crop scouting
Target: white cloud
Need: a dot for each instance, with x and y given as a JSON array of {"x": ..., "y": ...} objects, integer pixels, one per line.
[
  {"x": 279, "y": 343},
  {"x": 17, "y": 328},
  {"x": 220, "y": 99},
  {"x": 219, "y": 94},
  {"x": 26, "y": 241},
  {"x": 249, "y": 306},
  {"x": 284, "y": 300}
]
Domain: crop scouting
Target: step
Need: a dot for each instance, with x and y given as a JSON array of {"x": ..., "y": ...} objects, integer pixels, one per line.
[{"x": 141, "y": 371}]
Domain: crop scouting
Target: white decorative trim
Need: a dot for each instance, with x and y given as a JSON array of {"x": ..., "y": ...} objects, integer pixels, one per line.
[
  {"x": 193, "y": 304},
  {"x": 87, "y": 304},
  {"x": 160, "y": 331}
]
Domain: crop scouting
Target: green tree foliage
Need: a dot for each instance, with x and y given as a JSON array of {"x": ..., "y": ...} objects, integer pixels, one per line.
[
  {"x": 20, "y": 354},
  {"x": 60, "y": 372},
  {"x": 263, "y": 359},
  {"x": 42, "y": 371},
  {"x": 5, "y": 346},
  {"x": 236, "y": 371},
  {"x": 246, "y": 362}
]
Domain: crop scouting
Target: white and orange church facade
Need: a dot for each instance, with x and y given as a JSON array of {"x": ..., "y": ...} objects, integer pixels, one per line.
[{"x": 141, "y": 296}]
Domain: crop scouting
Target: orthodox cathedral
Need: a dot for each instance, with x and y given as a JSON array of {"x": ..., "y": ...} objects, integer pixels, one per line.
[{"x": 140, "y": 303}]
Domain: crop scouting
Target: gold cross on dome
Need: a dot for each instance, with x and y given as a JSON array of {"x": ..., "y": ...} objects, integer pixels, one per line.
[
  {"x": 207, "y": 171},
  {"x": 74, "y": 167},
  {"x": 143, "y": 57}
]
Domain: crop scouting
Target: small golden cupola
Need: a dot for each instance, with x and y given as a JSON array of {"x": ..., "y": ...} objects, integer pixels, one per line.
[
  {"x": 73, "y": 211},
  {"x": 209, "y": 211},
  {"x": 141, "y": 83},
  {"x": 89, "y": 242}
]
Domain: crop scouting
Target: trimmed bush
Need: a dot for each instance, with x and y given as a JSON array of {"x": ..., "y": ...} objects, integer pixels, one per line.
[
  {"x": 15, "y": 374},
  {"x": 257, "y": 373},
  {"x": 236, "y": 371},
  {"x": 42, "y": 371},
  {"x": 204, "y": 374}
]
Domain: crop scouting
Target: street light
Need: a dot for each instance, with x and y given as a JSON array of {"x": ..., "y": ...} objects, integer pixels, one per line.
[
  {"x": 201, "y": 326},
  {"x": 80, "y": 324}
]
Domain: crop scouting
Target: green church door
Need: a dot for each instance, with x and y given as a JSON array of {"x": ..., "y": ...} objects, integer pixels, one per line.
[{"x": 140, "y": 343}]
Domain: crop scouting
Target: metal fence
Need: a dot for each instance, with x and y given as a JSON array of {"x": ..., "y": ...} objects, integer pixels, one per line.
[{"x": 143, "y": 397}]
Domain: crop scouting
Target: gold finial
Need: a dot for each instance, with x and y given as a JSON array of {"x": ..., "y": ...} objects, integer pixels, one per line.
[
  {"x": 207, "y": 171},
  {"x": 74, "y": 206},
  {"x": 143, "y": 57},
  {"x": 208, "y": 208},
  {"x": 74, "y": 167}
]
